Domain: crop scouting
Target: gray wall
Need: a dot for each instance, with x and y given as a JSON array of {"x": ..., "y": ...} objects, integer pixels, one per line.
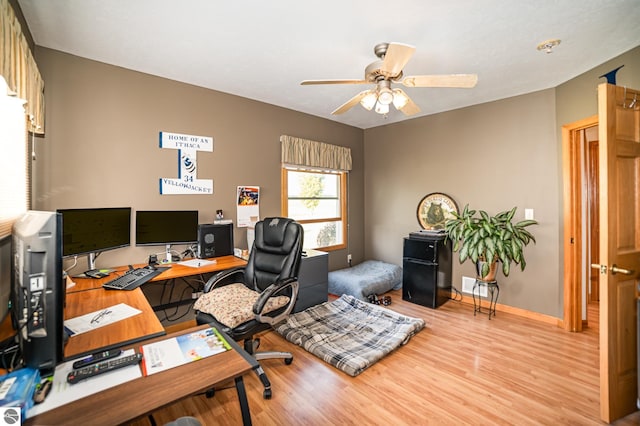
[
  {"x": 101, "y": 147},
  {"x": 578, "y": 98},
  {"x": 493, "y": 157}
]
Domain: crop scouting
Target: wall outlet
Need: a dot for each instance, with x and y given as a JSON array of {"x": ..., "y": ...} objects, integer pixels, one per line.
[
  {"x": 467, "y": 287},
  {"x": 349, "y": 258}
]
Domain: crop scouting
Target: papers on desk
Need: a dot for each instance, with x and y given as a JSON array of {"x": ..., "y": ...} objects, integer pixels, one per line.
[
  {"x": 197, "y": 263},
  {"x": 176, "y": 351},
  {"x": 100, "y": 318},
  {"x": 63, "y": 393}
]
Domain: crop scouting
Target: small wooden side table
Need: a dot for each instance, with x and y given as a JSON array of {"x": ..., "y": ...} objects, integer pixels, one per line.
[{"x": 494, "y": 292}]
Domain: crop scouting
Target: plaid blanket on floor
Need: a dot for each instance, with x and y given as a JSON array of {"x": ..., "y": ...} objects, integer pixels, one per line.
[{"x": 348, "y": 333}]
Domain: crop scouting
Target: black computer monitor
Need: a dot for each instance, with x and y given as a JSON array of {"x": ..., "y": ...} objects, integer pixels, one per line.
[
  {"x": 94, "y": 230},
  {"x": 166, "y": 227},
  {"x": 38, "y": 290}
]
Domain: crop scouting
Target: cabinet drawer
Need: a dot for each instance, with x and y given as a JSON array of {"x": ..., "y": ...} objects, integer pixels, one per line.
[
  {"x": 311, "y": 296},
  {"x": 421, "y": 249},
  {"x": 314, "y": 269}
]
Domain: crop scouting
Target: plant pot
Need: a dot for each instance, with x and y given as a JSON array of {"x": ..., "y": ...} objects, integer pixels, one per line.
[{"x": 491, "y": 275}]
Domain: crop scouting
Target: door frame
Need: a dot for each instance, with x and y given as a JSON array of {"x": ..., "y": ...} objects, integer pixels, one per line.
[{"x": 573, "y": 241}]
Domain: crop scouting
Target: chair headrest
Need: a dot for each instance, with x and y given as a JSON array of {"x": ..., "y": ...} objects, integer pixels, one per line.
[{"x": 274, "y": 230}]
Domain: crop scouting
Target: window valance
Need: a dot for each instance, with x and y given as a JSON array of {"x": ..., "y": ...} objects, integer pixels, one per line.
[
  {"x": 304, "y": 152},
  {"x": 19, "y": 68}
]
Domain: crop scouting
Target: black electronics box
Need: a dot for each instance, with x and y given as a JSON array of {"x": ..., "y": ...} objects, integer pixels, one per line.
[{"x": 215, "y": 240}]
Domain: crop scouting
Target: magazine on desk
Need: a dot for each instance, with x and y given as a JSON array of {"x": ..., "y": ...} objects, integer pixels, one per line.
[{"x": 176, "y": 351}]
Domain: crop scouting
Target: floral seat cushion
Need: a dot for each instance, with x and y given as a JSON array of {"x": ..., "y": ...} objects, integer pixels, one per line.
[{"x": 232, "y": 304}]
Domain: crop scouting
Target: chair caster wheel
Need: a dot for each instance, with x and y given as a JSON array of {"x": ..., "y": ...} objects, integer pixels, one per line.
[
  {"x": 266, "y": 394},
  {"x": 288, "y": 361},
  {"x": 210, "y": 393}
]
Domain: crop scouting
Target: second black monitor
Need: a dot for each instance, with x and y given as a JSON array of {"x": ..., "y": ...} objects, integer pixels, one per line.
[{"x": 165, "y": 227}]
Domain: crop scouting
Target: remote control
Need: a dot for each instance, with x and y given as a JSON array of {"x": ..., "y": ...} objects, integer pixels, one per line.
[
  {"x": 113, "y": 364},
  {"x": 95, "y": 358}
]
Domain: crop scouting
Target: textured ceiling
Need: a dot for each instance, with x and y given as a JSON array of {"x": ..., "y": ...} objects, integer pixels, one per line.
[{"x": 262, "y": 50}]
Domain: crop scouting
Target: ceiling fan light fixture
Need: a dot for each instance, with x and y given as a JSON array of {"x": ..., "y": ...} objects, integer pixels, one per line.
[
  {"x": 382, "y": 108},
  {"x": 369, "y": 101},
  {"x": 399, "y": 99},
  {"x": 385, "y": 96},
  {"x": 390, "y": 69},
  {"x": 548, "y": 45}
]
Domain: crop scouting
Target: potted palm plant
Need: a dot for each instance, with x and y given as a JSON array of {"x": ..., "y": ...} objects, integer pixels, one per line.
[{"x": 486, "y": 240}]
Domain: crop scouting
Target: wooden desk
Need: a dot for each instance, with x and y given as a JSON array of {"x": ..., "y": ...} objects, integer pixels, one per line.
[
  {"x": 222, "y": 263},
  {"x": 133, "y": 329},
  {"x": 175, "y": 270},
  {"x": 87, "y": 295},
  {"x": 141, "y": 396}
]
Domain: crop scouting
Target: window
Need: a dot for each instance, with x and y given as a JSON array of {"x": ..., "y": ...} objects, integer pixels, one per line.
[
  {"x": 14, "y": 185},
  {"x": 317, "y": 200}
]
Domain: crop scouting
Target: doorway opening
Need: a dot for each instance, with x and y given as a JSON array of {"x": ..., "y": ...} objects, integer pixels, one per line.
[{"x": 581, "y": 221}]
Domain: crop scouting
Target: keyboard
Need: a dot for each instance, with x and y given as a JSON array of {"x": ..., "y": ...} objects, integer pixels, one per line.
[{"x": 134, "y": 278}]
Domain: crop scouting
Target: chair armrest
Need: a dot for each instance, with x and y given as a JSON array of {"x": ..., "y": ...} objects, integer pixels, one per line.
[
  {"x": 272, "y": 290},
  {"x": 229, "y": 276}
]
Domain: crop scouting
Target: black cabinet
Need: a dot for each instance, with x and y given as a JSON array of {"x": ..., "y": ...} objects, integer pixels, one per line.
[
  {"x": 426, "y": 270},
  {"x": 313, "y": 279}
]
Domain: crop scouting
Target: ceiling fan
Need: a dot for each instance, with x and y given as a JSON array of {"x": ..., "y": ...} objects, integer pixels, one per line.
[{"x": 393, "y": 58}]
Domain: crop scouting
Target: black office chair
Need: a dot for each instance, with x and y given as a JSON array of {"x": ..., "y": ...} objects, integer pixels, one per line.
[{"x": 246, "y": 301}]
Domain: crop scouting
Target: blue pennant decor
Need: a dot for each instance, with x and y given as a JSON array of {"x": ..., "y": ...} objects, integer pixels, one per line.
[{"x": 611, "y": 75}]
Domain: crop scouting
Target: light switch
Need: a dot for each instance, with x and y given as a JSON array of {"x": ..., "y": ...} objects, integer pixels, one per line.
[{"x": 528, "y": 214}]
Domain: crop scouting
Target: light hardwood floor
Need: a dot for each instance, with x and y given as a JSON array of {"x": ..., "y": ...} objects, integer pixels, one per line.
[{"x": 460, "y": 369}]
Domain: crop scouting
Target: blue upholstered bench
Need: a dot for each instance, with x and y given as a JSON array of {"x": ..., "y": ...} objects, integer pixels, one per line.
[{"x": 366, "y": 278}]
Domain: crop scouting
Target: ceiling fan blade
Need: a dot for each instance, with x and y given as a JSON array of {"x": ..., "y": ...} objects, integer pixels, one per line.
[
  {"x": 448, "y": 80},
  {"x": 396, "y": 58},
  {"x": 410, "y": 108},
  {"x": 351, "y": 102},
  {"x": 309, "y": 82}
]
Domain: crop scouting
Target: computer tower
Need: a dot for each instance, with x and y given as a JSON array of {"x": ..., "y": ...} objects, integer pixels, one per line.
[
  {"x": 215, "y": 240},
  {"x": 38, "y": 290}
]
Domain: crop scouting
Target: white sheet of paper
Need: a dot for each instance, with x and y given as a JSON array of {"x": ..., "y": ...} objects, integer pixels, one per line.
[
  {"x": 162, "y": 356},
  {"x": 100, "y": 318},
  {"x": 63, "y": 392},
  {"x": 196, "y": 263}
]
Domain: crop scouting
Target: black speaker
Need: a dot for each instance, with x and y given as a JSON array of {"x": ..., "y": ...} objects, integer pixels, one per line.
[{"x": 215, "y": 239}]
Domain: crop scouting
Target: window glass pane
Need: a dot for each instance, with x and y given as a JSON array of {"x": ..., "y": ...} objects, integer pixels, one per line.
[
  {"x": 322, "y": 234},
  {"x": 13, "y": 161},
  {"x": 313, "y": 185},
  {"x": 317, "y": 196},
  {"x": 314, "y": 209},
  {"x": 331, "y": 187}
]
